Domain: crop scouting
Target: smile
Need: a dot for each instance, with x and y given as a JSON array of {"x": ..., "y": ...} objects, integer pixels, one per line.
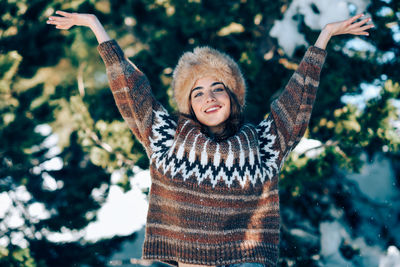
[{"x": 212, "y": 109}]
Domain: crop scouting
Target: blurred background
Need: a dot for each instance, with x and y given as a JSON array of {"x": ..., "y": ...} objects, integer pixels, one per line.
[{"x": 74, "y": 181}]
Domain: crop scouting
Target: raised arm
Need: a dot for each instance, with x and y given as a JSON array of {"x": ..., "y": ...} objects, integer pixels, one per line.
[
  {"x": 291, "y": 111},
  {"x": 130, "y": 87}
]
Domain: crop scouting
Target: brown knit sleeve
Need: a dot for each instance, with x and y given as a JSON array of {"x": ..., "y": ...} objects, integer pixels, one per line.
[
  {"x": 291, "y": 111},
  {"x": 132, "y": 93}
]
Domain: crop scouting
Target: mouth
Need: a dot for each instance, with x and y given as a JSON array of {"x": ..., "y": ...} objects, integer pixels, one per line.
[{"x": 212, "y": 109}]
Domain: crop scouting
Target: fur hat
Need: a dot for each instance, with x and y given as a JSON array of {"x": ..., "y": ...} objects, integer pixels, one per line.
[{"x": 202, "y": 62}]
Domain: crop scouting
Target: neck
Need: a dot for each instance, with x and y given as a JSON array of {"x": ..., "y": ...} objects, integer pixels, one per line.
[{"x": 216, "y": 130}]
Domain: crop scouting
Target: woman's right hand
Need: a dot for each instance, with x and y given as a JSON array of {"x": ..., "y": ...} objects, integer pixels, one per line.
[
  {"x": 70, "y": 19},
  {"x": 79, "y": 19}
]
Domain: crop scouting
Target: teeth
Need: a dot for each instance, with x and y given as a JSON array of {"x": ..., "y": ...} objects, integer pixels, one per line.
[{"x": 212, "y": 109}]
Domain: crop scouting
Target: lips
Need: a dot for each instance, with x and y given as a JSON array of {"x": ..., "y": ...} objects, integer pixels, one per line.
[{"x": 212, "y": 108}]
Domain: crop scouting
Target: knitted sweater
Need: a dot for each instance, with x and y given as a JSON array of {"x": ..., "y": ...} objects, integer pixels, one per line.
[{"x": 213, "y": 202}]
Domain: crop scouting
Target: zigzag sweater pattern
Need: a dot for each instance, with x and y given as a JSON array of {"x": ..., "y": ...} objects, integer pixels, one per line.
[{"x": 213, "y": 202}]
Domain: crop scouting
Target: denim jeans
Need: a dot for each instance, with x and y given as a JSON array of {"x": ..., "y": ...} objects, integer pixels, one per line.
[{"x": 244, "y": 264}]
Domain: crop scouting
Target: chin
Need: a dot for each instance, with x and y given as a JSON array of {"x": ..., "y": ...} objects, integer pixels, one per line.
[{"x": 214, "y": 124}]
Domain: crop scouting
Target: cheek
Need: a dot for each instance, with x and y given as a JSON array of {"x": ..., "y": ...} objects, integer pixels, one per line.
[
  {"x": 196, "y": 107},
  {"x": 226, "y": 100}
]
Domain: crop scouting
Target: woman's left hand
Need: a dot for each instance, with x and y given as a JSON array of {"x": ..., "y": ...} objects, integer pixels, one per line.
[{"x": 348, "y": 26}]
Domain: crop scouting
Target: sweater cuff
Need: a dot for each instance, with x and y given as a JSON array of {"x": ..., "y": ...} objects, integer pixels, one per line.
[
  {"x": 315, "y": 55},
  {"x": 110, "y": 52}
]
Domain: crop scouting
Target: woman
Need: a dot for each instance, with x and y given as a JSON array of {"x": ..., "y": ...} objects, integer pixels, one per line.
[{"x": 214, "y": 196}]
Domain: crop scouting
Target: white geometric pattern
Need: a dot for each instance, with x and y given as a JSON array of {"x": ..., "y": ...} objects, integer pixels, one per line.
[{"x": 251, "y": 159}]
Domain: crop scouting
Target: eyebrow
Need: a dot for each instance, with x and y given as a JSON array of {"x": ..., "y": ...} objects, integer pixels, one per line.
[{"x": 201, "y": 87}]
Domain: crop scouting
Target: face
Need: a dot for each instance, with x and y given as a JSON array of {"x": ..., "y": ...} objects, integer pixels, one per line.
[{"x": 211, "y": 103}]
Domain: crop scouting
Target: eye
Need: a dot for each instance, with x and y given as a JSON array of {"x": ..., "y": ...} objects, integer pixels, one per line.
[
  {"x": 220, "y": 89},
  {"x": 198, "y": 94}
]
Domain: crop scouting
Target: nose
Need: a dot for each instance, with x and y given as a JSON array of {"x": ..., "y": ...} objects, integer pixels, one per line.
[{"x": 210, "y": 96}]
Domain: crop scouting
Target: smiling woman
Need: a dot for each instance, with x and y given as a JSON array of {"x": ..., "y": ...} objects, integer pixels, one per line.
[
  {"x": 213, "y": 201},
  {"x": 211, "y": 104},
  {"x": 207, "y": 77}
]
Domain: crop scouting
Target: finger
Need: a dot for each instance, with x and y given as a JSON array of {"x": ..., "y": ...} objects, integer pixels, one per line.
[
  {"x": 361, "y": 33},
  {"x": 60, "y": 24},
  {"x": 51, "y": 22},
  {"x": 63, "y": 13},
  {"x": 63, "y": 24},
  {"x": 366, "y": 27},
  {"x": 55, "y": 22},
  {"x": 63, "y": 27},
  {"x": 356, "y": 17},
  {"x": 362, "y": 30},
  {"x": 358, "y": 24},
  {"x": 54, "y": 18}
]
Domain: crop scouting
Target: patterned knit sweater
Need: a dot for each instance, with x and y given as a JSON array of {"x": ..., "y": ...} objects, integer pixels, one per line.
[{"x": 213, "y": 202}]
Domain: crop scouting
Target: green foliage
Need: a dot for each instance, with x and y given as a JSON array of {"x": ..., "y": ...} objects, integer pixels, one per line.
[{"x": 15, "y": 256}]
